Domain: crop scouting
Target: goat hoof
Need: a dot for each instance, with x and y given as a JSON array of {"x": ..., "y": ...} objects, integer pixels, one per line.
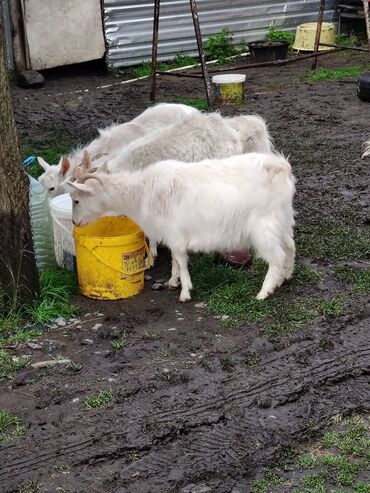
[
  {"x": 261, "y": 296},
  {"x": 172, "y": 284},
  {"x": 185, "y": 298}
]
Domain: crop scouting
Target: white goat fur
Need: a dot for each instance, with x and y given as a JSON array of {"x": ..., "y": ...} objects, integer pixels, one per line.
[
  {"x": 253, "y": 133},
  {"x": 112, "y": 139},
  {"x": 199, "y": 136},
  {"x": 366, "y": 147},
  {"x": 216, "y": 205}
]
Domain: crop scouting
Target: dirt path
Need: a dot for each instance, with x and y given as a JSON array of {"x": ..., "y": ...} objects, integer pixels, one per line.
[{"x": 196, "y": 407}]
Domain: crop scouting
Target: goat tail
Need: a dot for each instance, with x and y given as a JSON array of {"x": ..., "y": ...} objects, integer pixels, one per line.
[
  {"x": 366, "y": 147},
  {"x": 279, "y": 170}
]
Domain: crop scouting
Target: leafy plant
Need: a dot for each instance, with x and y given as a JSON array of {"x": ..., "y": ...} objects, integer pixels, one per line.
[
  {"x": 219, "y": 46},
  {"x": 277, "y": 34}
]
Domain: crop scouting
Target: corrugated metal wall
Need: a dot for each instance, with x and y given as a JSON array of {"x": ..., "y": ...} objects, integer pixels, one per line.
[{"x": 128, "y": 24}]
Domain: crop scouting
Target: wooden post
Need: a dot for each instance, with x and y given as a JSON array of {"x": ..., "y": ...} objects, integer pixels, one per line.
[
  {"x": 198, "y": 34},
  {"x": 318, "y": 32},
  {"x": 367, "y": 19},
  {"x": 155, "y": 49}
]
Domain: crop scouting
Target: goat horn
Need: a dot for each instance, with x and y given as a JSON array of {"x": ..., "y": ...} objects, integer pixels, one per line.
[{"x": 89, "y": 176}]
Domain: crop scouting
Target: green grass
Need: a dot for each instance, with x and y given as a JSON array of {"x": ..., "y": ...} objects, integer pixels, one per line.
[
  {"x": 359, "y": 278},
  {"x": 118, "y": 344},
  {"x": 180, "y": 60},
  {"x": 57, "y": 288},
  {"x": 8, "y": 365},
  {"x": 323, "y": 74},
  {"x": 333, "y": 241},
  {"x": 50, "y": 149},
  {"x": 336, "y": 463},
  {"x": 269, "y": 478},
  {"x": 307, "y": 461},
  {"x": 232, "y": 292},
  {"x": 276, "y": 34},
  {"x": 198, "y": 103},
  {"x": 10, "y": 426},
  {"x": 100, "y": 399}
]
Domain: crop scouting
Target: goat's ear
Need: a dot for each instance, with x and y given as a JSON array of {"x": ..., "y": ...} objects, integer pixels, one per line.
[
  {"x": 78, "y": 173},
  {"x": 44, "y": 165},
  {"x": 103, "y": 169},
  {"x": 81, "y": 187},
  {"x": 64, "y": 166},
  {"x": 86, "y": 161}
]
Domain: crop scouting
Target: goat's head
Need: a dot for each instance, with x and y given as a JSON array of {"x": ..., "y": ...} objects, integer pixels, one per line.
[
  {"x": 53, "y": 176},
  {"x": 88, "y": 197}
]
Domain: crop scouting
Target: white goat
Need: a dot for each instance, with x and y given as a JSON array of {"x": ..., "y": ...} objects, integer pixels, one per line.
[
  {"x": 253, "y": 133},
  {"x": 199, "y": 136},
  {"x": 110, "y": 140},
  {"x": 366, "y": 147},
  {"x": 216, "y": 205}
]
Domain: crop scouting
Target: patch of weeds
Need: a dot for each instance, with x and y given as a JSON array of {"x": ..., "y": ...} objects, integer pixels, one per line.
[
  {"x": 220, "y": 46},
  {"x": 251, "y": 359},
  {"x": 10, "y": 426},
  {"x": 344, "y": 40},
  {"x": 198, "y": 103},
  {"x": 307, "y": 461},
  {"x": 100, "y": 399},
  {"x": 28, "y": 487},
  {"x": 331, "y": 308},
  {"x": 361, "y": 488},
  {"x": 232, "y": 292},
  {"x": 118, "y": 344},
  {"x": 359, "y": 278},
  {"x": 181, "y": 60},
  {"x": 303, "y": 274},
  {"x": 332, "y": 241},
  {"x": 20, "y": 335},
  {"x": 270, "y": 478},
  {"x": 344, "y": 471},
  {"x": 276, "y": 34},
  {"x": 352, "y": 441},
  {"x": 323, "y": 74},
  {"x": 51, "y": 150},
  {"x": 315, "y": 481},
  {"x": 145, "y": 69},
  {"x": 9, "y": 365},
  {"x": 226, "y": 363},
  {"x": 57, "y": 287}
]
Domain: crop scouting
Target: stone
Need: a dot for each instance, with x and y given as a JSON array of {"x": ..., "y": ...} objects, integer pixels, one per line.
[
  {"x": 157, "y": 286},
  {"x": 30, "y": 79},
  {"x": 195, "y": 488},
  {"x": 51, "y": 363},
  {"x": 147, "y": 277},
  {"x": 87, "y": 342},
  {"x": 96, "y": 326},
  {"x": 202, "y": 304},
  {"x": 33, "y": 345},
  {"x": 60, "y": 321}
]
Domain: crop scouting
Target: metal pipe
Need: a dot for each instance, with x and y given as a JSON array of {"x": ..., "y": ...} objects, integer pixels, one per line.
[
  {"x": 180, "y": 74},
  {"x": 276, "y": 62},
  {"x": 318, "y": 32},
  {"x": 198, "y": 35},
  {"x": 354, "y": 48},
  {"x": 154, "y": 50}
]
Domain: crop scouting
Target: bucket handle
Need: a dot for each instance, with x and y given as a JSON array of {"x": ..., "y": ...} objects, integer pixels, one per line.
[
  {"x": 60, "y": 224},
  {"x": 148, "y": 263}
]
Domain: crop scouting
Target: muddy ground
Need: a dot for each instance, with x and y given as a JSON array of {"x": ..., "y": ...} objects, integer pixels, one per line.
[{"x": 180, "y": 420}]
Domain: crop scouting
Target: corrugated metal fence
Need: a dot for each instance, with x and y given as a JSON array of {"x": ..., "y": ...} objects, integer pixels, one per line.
[{"x": 128, "y": 24}]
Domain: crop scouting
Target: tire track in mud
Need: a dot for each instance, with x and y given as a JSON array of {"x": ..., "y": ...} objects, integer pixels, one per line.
[{"x": 238, "y": 418}]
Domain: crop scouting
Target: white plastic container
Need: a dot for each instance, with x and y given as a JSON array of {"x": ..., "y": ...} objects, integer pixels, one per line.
[
  {"x": 41, "y": 224},
  {"x": 64, "y": 245},
  {"x": 229, "y": 89}
]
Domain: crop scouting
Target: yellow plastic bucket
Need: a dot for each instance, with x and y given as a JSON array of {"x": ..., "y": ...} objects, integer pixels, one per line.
[
  {"x": 111, "y": 257},
  {"x": 306, "y": 34},
  {"x": 228, "y": 89}
]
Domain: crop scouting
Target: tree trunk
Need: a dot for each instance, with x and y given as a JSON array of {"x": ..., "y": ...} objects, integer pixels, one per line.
[{"x": 18, "y": 270}]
